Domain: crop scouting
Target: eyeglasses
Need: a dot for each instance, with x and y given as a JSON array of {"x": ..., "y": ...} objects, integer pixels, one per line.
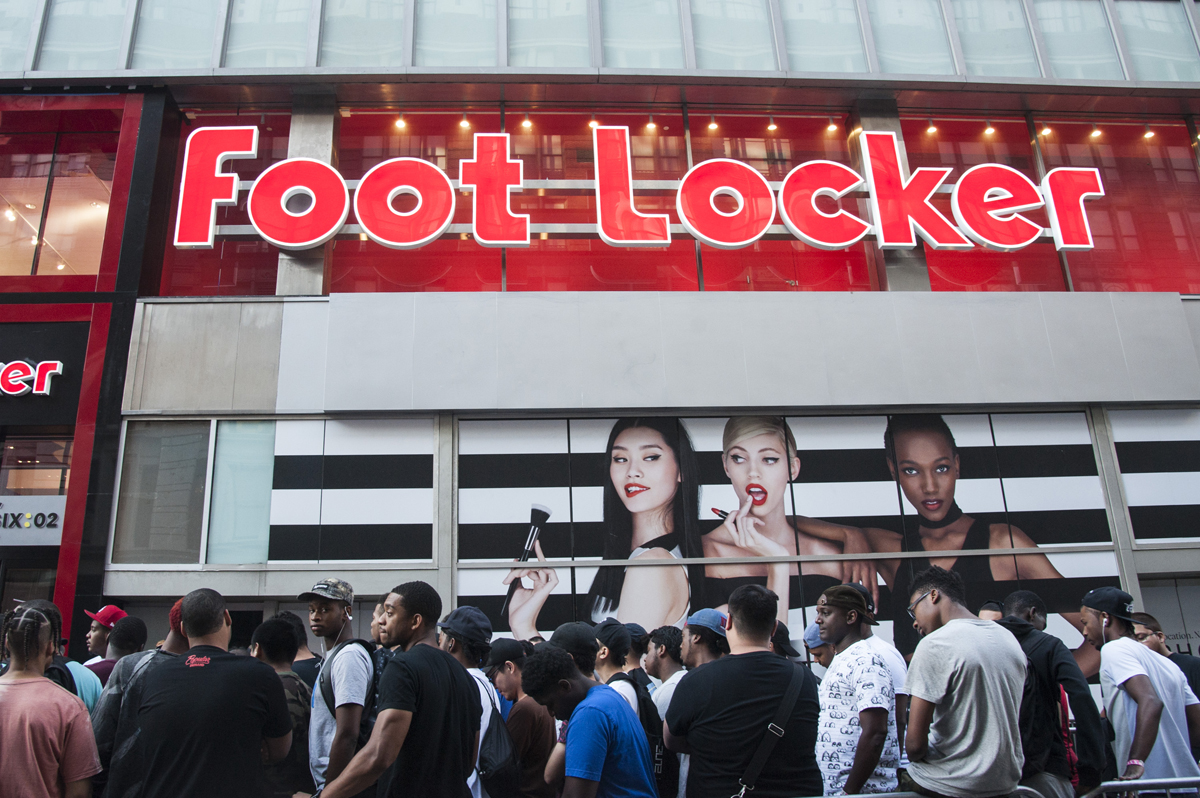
[
  {"x": 913, "y": 606},
  {"x": 1141, "y": 637}
]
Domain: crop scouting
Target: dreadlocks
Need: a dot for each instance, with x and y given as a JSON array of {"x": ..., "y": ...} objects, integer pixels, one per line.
[{"x": 22, "y": 629}]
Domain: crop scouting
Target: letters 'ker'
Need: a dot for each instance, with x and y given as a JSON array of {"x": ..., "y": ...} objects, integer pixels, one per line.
[
  {"x": 618, "y": 222},
  {"x": 494, "y": 177},
  {"x": 204, "y": 186}
]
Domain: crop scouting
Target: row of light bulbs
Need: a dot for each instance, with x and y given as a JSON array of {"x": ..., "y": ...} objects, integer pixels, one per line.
[
  {"x": 1045, "y": 131},
  {"x": 651, "y": 124}
]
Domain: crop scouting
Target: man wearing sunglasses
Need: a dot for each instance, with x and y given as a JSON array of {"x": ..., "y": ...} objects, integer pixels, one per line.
[{"x": 964, "y": 683}]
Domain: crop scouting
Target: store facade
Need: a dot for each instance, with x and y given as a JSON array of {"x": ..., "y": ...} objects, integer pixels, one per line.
[{"x": 409, "y": 271}]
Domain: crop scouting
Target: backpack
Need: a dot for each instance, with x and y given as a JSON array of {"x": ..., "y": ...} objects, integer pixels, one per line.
[
  {"x": 499, "y": 770},
  {"x": 57, "y": 672},
  {"x": 325, "y": 682},
  {"x": 666, "y": 763}
]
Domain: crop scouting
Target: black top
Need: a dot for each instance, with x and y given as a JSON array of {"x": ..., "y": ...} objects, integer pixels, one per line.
[
  {"x": 801, "y": 591},
  {"x": 307, "y": 670},
  {"x": 641, "y": 677},
  {"x": 976, "y": 573},
  {"x": 202, "y": 719},
  {"x": 444, "y": 700},
  {"x": 1191, "y": 671},
  {"x": 723, "y": 710}
]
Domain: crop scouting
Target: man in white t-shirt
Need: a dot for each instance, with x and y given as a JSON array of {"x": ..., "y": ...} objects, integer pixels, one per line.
[
  {"x": 1154, "y": 714},
  {"x": 965, "y": 684},
  {"x": 466, "y": 635},
  {"x": 857, "y": 749},
  {"x": 664, "y": 661},
  {"x": 896, "y": 666},
  {"x": 335, "y": 726}
]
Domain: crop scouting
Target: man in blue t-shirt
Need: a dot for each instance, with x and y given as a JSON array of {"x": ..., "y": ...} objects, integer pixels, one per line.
[{"x": 607, "y": 752}]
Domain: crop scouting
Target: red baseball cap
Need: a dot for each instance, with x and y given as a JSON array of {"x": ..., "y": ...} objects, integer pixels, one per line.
[{"x": 107, "y": 615}]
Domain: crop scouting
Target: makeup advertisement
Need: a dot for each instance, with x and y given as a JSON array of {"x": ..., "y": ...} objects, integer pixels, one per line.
[{"x": 682, "y": 511}]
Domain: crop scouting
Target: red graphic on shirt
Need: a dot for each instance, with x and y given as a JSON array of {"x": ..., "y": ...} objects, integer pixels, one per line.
[{"x": 197, "y": 662}]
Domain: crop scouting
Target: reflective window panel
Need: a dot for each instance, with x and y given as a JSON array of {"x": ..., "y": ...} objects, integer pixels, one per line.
[
  {"x": 82, "y": 35},
  {"x": 362, "y": 33},
  {"x": 1159, "y": 37},
  {"x": 1078, "y": 41},
  {"x": 16, "y": 17},
  {"x": 995, "y": 39},
  {"x": 77, "y": 213},
  {"x": 25, "y": 161},
  {"x": 36, "y": 464},
  {"x": 548, "y": 33},
  {"x": 910, "y": 37},
  {"x": 733, "y": 34},
  {"x": 239, "y": 519},
  {"x": 174, "y": 35},
  {"x": 1147, "y": 227},
  {"x": 268, "y": 33},
  {"x": 456, "y": 33},
  {"x": 641, "y": 34},
  {"x": 823, "y": 36}
]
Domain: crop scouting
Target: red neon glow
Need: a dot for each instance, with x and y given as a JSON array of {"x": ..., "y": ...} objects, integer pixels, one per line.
[
  {"x": 404, "y": 229},
  {"x": 900, "y": 209},
  {"x": 752, "y": 195},
  {"x": 203, "y": 186},
  {"x": 494, "y": 177},
  {"x": 798, "y": 205},
  {"x": 1065, "y": 190},
  {"x": 326, "y": 212},
  {"x": 987, "y": 204},
  {"x": 618, "y": 222}
]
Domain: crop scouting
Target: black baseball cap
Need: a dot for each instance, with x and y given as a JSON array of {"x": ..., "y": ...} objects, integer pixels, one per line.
[
  {"x": 1113, "y": 600},
  {"x": 613, "y": 634},
  {"x": 866, "y": 594},
  {"x": 469, "y": 623},
  {"x": 782, "y": 640},
  {"x": 636, "y": 631},
  {"x": 576, "y": 637},
  {"x": 504, "y": 649},
  {"x": 846, "y": 597}
]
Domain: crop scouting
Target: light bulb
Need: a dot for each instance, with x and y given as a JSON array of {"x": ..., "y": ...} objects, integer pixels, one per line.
[
  {"x": 989, "y": 130},
  {"x": 932, "y": 127},
  {"x": 1046, "y": 130},
  {"x": 61, "y": 266},
  {"x": 8, "y": 214},
  {"x": 832, "y": 127},
  {"x": 593, "y": 123},
  {"x": 712, "y": 122},
  {"x": 650, "y": 125},
  {"x": 1095, "y": 132},
  {"x": 400, "y": 123},
  {"x": 464, "y": 123},
  {"x": 1149, "y": 134},
  {"x": 525, "y": 123},
  {"x": 771, "y": 123}
]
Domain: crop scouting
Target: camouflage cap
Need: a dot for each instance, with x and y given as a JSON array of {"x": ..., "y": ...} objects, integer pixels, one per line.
[{"x": 336, "y": 589}]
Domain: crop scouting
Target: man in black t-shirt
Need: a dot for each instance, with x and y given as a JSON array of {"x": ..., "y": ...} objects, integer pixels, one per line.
[
  {"x": 427, "y": 730},
  {"x": 720, "y": 712},
  {"x": 206, "y": 717}
]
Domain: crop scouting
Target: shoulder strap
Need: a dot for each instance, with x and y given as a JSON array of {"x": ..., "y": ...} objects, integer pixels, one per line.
[
  {"x": 326, "y": 680},
  {"x": 774, "y": 731}
]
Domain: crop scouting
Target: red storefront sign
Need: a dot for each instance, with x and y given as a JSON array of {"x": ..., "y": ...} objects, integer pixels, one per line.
[
  {"x": 19, "y": 378},
  {"x": 987, "y": 202}
]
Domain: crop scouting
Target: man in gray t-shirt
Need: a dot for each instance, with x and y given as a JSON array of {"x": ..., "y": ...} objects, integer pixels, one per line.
[{"x": 965, "y": 683}]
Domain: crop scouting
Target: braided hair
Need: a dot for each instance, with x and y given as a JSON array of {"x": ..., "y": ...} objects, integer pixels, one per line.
[{"x": 22, "y": 628}]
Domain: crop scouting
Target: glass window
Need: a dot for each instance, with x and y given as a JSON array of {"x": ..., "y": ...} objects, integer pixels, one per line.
[
  {"x": 36, "y": 464},
  {"x": 73, "y": 232},
  {"x": 994, "y": 35},
  {"x": 239, "y": 519},
  {"x": 641, "y": 34},
  {"x": 455, "y": 33},
  {"x": 733, "y": 34},
  {"x": 1078, "y": 41},
  {"x": 26, "y": 584},
  {"x": 823, "y": 36},
  {"x": 910, "y": 37},
  {"x": 363, "y": 33},
  {"x": 1147, "y": 227},
  {"x": 161, "y": 502},
  {"x": 173, "y": 35},
  {"x": 25, "y": 161},
  {"x": 15, "y": 18},
  {"x": 548, "y": 33},
  {"x": 82, "y": 35},
  {"x": 268, "y": 33},
  {"x": 1159, "y": 37}
]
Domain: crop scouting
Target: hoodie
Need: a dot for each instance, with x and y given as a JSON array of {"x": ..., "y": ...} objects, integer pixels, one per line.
[{"x": 1053, "y": 666}]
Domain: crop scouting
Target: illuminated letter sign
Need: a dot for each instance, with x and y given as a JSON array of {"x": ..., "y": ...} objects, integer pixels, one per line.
[
  {"x": 204, "y": 186},
  {"x": 798, "y": 205},
  {"x": 494, "y": 177},
  {"x": 617, "y": 221},
  {"x": 321, "y": 213},
  {"x": 1065, "y": 190},
  {"x": 19, "y": 378},
  {"x": 384, "y": 182},
  {"x": 987, "y": 202},
  {"x": 696, "y": 202}
]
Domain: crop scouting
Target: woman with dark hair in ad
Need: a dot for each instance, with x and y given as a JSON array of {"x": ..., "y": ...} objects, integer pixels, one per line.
[
  {"x": 651, "y": 502},
  {"x": 760, "y": 459}
]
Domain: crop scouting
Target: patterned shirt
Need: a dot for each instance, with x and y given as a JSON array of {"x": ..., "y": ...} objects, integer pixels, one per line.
[
  {"x": 291, "y": 774},
  {"x": 858, "y": 679}
]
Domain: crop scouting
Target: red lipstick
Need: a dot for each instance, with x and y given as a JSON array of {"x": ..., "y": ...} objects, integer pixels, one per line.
[
  {"x": 757, "y": 494},
  {"x": 633, "y": 489}
]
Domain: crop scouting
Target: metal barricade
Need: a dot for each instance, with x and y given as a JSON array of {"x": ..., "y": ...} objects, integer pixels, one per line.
[{"x": 1167, "y": 787}]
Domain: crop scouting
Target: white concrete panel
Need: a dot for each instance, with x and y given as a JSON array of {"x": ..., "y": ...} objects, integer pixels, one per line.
[
  {"x": 511, "y": 505},
  {"x": 1155, "y": 425},
  {"x": 295, "y": 507},
  {"x": 379, "y": 436},
  {"x": 1156, "y": 339},
  {"x": 377, "y": 506},
  {"x": 513, "y": 436},
  {"x": 1165, "y": 488},
  {"x": 303, "y": 345},
  {"x": 372, "y": 338},
  {"x": 1041, "y": 429},
  {"x": 306, "y": 437}
]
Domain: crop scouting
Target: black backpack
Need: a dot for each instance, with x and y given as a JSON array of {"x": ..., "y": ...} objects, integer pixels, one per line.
[
  {"x": 57, "y": 672},
  {"x": 666, "y": 763},
  {"x": 499, "y": 769},
  {"x": 325, "y": 682}
]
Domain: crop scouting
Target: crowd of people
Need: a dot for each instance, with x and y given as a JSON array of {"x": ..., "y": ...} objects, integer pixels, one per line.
[{"x": 435, "y": 705}]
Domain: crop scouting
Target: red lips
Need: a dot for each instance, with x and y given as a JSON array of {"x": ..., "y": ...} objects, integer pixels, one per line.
[
  {"x": 932, "y": 505},
  {"x": 633, "y": 489},
  {"x": 757, "y": 494}
]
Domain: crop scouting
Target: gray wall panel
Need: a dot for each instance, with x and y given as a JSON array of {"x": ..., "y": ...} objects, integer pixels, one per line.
[
  {"x": 302, "y": 357},
  {"x": 1156, "y": 344},
  {"x": 370, "y": 356}
]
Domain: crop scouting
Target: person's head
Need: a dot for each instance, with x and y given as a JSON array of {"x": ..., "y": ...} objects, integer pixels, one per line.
[
  {"x": 410, "y": 614},
  {"x": 613, "y": 638},
  {"x": 274, "y": 642},
  {"x": 752, "y": 611},
  {"x": 935, "y": 594},
  {"x": 128, "y": 636},
  {"x": 639, "y": 643},
  {"x": 1149, "y": 632},
  {"x": 820, "y": 651},
  {"x": 377, "y": 621},
  {"x": 923, "y": 458},
  {"x": 330, "y": 606},
  {"x": 652, "y": 473},
  {"x": 664, "y": 652},
  {"x": 29, "y": 635},
  {"x": 204, "y": 617},
  {"x": 842, "y": 611},
  {"x": 551, "y": 679},
  {"x": 505, "y": 663},
  {"x": 1106, "y": 615},
  {"x": 102, "y": 624},
  {"x": 759, "y": 455},
  {"x": 175, "y": 617},
  {"x": 466, "y": 635},
  {"x": 781, "y": 642},
  {"x": 298, "y": 626},
  {"x": 579, "y": 640},
  {"x": 1026, "y": 605},
  {"x": 704, "y": 638},
  {"x": 991, "y": 610}
]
